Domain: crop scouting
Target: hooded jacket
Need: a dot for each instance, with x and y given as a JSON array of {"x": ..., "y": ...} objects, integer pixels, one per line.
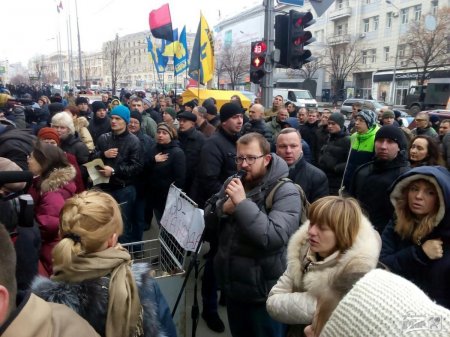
[
  {"x": 81, "y": 127},
  {"x": 252, "y": 244},
  {"x": 35, "y": 317},
  {"x": 90, "y": 300},
  {"x": 293, "y": 299},
  {"x": 49, "y": 199},
  {"x": 407, "y": 258}
]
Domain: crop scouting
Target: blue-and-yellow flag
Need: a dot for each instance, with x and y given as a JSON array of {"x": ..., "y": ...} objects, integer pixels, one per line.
[
  {"x": 201, "y": 66},
  {"x": 154, "y": 56},
  {"x": 181, "y": 55}
]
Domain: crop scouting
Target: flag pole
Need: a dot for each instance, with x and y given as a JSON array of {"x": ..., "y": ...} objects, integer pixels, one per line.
[{"x": 174, "y": 71}]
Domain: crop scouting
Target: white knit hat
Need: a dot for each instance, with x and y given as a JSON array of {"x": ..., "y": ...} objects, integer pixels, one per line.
[{"x": 384, "y": 304}]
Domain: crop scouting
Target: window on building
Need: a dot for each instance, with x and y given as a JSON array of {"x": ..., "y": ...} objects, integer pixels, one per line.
[
  {"x": 417, "y": 12},
  {"x": 364, "y": 57},
  {"x": 339, "y": 4},
  {"x": 389, "y": 20},
  {"x": 401, "y": 50},
  {"x": 366, "y": 25},
  {"x": 368, "y": 2},
  {"x": 373, "y": 55},
  {"x": 404, "y": 14},
  {"x": 386, "y": 53},
  {"x": 434, "y": 7},
  {"x": 376, "y": 22}
]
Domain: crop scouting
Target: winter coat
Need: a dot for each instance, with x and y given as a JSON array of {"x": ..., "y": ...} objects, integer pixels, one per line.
[
  {"x": 446, "y": 147},
  {"x": 312, "y": 180},
  {"x": 147, "y": 143},
  {"x": 163, "y": 174},
  {"x": 35, "y": 317},
  {"x": 90, "y": 300},
  {"x": 16, "y": 145},
  {"x": 207, "y": 129},
  {"x": 74, "y": 145},
  {"x": 407, "y": 258},
  {"x": 78, "y": 177},
  {"x": 370, "y": 185},
  {"x": 99, "y": 126},
  {"x": 191, "y": 142},
  {"x": 81, "y": 127},
  {"x": 148, "y": 125},
  {"x": 362, "y": 151},
  {"x": 252, "y": 244},
  {"x": 274, "y": 127},
  {"x": 308, "y": 133},
  {"x": 258, "y": 126},
  {"x": 293, "y": 299},
  {"x": 322, "y": 136},
  {"x": 216, "y": 165},
  {"x": 127, "y": 165},
  {"x": 333, "y": 157},
  {"x": 17, "y": 116},
  {"x": 49, "y": 199},
  {"x": 428, "y": 131}
]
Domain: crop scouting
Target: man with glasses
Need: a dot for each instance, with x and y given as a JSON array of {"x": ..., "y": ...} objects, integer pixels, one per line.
[
  {"x": 256, "y": 122},
  {"x": 252, "y": 245},
  {"x": 423, "y": 126}
]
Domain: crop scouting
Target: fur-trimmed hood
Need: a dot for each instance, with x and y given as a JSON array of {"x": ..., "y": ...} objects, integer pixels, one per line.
[
  {"x": 362, "y": 256},
  {"x": 58, "y": 178},
  {"x": 80, "y": 122}
]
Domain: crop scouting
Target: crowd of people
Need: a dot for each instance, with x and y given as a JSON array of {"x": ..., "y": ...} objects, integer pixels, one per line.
[{"x": 375, "y": 195}]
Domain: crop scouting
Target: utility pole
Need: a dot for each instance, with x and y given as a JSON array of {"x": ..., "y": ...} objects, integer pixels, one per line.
[
  {"x": 79, "y": 46},
  {"x": 267, "y": 85}
]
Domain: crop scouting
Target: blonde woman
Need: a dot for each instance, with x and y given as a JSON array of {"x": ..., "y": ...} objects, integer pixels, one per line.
[
  {"x": 92, "y": 273},
  {"x": 336, "y": 234},
  {"x": 416, "y": 242}
]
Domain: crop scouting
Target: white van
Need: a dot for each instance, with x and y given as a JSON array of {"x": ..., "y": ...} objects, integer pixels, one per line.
[{"x": 301, "y": 98}]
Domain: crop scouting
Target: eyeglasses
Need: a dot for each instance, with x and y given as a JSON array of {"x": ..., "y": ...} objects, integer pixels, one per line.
[{"x": 250, "y": 159}]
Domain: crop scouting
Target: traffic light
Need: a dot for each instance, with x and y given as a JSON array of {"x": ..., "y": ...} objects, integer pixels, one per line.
[
  {"x": 258, "y": 59},
  {"x": 298, "y": 38},
  {"x": 281, "y": 40}
]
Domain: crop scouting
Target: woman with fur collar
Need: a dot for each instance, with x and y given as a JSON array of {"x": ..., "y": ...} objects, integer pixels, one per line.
[
  {"x": 337, "y": 234},
  {"x": 54, "y": 182},
  {"x": 416, "y": 242},
  {"x": 92, "y": 274}
]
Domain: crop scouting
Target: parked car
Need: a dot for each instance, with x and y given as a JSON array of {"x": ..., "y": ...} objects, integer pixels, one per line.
[{"x": 346, "y": 107}]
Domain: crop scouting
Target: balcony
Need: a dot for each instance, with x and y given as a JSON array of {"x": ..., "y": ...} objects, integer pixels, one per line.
[
  {"x": 339, "y": 39},
  {"x": 340, "y": 13}
]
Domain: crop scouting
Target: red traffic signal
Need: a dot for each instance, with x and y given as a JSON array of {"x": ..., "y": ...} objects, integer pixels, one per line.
[
  {"x": 257, "y": 61},
  {"x": 298, "y": 38}
]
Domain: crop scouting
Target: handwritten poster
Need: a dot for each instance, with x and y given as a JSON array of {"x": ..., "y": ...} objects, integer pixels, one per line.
[{"x": 183, "y": 219}]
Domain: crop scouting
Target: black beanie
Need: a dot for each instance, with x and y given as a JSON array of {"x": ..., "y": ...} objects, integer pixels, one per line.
[
  {"x": 394, "y": 133},
  {"x": 228, "y": 110},
  {"x": 211, "y": 109},
  {"x": 81, "y": 100},
  {"x": 136, "y": 115},
  {"x": 97, "y": 105},
  {"x": 338, "y": 118}
]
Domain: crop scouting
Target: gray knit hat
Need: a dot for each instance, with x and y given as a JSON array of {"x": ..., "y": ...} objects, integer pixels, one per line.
[
  {"x": 369, "y": 116},
  {"x": 384, "y": 304},
  {"x": 338, "y": 118}
]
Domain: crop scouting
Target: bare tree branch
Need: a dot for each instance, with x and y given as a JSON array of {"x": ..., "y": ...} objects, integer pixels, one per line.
[
  {"x": 115, "y": 61},
  {"x": 234, "y": 61}
]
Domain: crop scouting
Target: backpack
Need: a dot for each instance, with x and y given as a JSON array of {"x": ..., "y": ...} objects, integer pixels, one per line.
[{"x": 304, "y": 202}]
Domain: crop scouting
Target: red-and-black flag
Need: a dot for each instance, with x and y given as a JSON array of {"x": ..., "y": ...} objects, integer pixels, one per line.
[{"x": 161, "y": 23}]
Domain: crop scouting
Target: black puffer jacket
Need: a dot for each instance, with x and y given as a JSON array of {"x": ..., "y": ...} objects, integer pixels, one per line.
[
  {"x": 127, "y": 165},
  {"x": 333, "y": 158},
  {"x": 73, "y": 144},
  {"x": 90, "y": 300},
  {"x": 99, "y": 126},
  {"x": 16, "y": 145},
  {"x": 191, "y": 142},
  {"x": 312, "y": 180},
  {"x": 370, "y": 185}
]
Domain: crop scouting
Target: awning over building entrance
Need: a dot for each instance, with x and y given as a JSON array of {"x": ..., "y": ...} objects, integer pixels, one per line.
[{"x": 406, "y": 74}]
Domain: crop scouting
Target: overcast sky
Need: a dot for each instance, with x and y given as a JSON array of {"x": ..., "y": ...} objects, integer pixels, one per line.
[{"x": 30, "y": 26}]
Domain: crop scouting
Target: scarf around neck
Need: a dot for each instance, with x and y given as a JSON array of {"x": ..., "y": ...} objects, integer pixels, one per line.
[{"x": 124, "y": 317}]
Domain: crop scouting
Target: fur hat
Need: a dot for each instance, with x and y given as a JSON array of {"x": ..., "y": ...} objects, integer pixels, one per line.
[
  {"x": 384, "y": 304},
  {"x": 338, "y": 118},
  {"x": 49, "y": 133},
  {"x": 171, "y": 112},
  {"x": 136, "y": 115},
  {"x": 394, "y": 133},
  {"x": 187, "y": 115},
  {"x": 388, "y": 114},
  {"x": 97, "y": 105},
  {"x": 81, "y": 100},
  {"x": 123, "y": 112},
  {"x": 8, "y": 165},
  {"x": 64, "y": 119},
  {"x": 369, "y": 117},
  {"x": 229, "y": 110},
  {"x": 169, "y": 129}
]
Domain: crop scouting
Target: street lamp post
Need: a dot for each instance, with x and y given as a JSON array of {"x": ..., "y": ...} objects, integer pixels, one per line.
[{"x": 394, "y": 73}]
